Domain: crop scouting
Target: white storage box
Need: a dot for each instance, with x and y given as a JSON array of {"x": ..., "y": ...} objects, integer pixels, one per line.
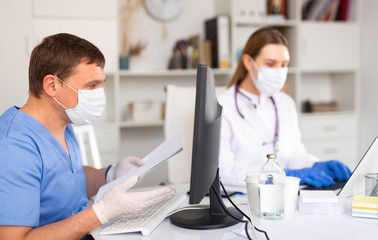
[{"x": 146, "y": 111}]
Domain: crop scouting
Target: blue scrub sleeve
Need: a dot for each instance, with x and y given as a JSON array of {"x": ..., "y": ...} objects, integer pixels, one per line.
[{"x": 20, "y": 177}]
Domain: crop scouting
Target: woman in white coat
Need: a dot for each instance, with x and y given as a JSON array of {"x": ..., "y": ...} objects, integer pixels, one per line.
[{"x": 258, "y": 119}]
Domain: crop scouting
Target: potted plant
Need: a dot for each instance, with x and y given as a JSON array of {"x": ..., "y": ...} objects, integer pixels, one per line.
[
  {"x": 137, "y": 59},
  {"x": 128, "y": 11}
]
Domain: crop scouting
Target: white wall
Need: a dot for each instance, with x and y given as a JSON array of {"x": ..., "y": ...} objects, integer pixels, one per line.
[
  {"x": 14, "y": 52},
  {"x": 369, "y": 74}
]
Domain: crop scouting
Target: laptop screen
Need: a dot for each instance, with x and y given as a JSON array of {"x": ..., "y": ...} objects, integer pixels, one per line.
[{"x": 356, "y": 182}]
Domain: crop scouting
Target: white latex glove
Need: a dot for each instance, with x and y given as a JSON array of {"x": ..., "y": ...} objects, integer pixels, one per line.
[
  {"x": 117, "y": 201},
  {"x": 123, "y": 166}
]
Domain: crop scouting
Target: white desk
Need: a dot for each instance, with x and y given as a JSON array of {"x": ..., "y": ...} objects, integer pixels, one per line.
[{"x": 291, "y": 227}]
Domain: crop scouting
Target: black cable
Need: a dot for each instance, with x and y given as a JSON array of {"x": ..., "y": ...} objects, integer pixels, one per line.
[
  {"x": 259, "y": 230},
  {"x": 229, "y": 214},
  {"x": 245, "y": 215},
  {"x": 233, "y": 204}
]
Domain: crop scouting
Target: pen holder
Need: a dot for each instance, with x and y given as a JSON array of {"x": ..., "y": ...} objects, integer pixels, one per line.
[{"x": 371, "y": 184}]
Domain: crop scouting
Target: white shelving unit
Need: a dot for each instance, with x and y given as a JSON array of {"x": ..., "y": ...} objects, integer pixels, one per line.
[
  {"x": 138, "y": 86},
  {"x": 139, "y": 138},
  {"x": 150, "y": 86},
  {"x": 324, "y": 67},
  {"x": 185, "y": 77}
]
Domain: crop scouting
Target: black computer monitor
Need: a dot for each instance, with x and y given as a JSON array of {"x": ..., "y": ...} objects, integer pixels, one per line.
[{"x": 205, "y": 158}]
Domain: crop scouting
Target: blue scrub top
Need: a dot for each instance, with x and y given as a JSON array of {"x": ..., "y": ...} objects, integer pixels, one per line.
[{"x": 39, "y": 182}]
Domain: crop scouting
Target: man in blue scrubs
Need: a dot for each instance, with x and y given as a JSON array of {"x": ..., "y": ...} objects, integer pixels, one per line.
[{"x": 43, "y": 184}]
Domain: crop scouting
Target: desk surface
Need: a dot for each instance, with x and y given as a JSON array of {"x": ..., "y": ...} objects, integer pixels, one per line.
[{"x": 295, "y": 226}]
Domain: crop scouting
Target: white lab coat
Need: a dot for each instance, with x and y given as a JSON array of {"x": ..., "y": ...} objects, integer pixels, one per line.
[{"x": 241, "y": 148}]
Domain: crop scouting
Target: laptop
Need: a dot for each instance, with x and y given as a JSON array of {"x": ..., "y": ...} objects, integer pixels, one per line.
[{"x": 355, "y": 185}]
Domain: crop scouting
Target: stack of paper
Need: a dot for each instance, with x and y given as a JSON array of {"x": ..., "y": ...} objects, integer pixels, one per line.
[
  {"x": 323, "y": 202},
  {"x": 365, "y": 206},
  {"x": 162, "y": 153},
  {"x": 318, "y": 196}
]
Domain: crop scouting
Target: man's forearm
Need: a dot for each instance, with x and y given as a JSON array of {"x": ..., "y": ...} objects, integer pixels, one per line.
[
  {"x": 94, "y": 178},
  {"x": 74, "y": 227}
]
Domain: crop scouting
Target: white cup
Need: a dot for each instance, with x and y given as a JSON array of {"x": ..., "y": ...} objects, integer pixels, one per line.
[
  {"x": 252, "y": 182},
  {"x": 291, "y": 194}
]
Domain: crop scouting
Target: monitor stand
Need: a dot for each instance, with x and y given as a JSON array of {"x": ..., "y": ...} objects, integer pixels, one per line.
[{"x": 207, "y": 217}]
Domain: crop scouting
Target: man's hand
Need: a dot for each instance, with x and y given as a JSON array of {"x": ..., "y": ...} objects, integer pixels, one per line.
[
  {"x": 118, "y": 201},
  {"x": 122, "y": 167}
]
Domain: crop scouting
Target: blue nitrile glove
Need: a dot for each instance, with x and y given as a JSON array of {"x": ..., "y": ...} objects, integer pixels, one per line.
[
  {"x": 311, "y": 176},
  {"x": 335, "y": 169}
]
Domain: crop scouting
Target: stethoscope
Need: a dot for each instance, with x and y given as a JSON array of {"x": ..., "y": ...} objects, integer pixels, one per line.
[{"x": 276, "y": 146}]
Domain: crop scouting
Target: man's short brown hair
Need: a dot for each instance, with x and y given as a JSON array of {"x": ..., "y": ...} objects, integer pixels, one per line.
[{"x": 58, "y": 55}]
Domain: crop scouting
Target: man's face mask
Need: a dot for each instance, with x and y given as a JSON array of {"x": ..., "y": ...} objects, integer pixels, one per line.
[
  {"x": 269, "y": 80},
  {"x": 90, "y": 105}
]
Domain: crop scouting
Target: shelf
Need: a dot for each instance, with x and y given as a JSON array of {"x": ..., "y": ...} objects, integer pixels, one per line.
[
  {"x": 327, "y": 114},
  {"x": 323, "y": 23},
  {"x": 286, "y": 23},
  {"x": 173, "y": 72},
  {"x": 328, "y": 71},
  {"x": 104, "y": 123},
  {"x": 134, "y": 124},
  {"x": 181, "y": 72}
]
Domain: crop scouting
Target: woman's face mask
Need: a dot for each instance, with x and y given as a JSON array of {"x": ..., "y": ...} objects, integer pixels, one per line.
[
  {"x": 90, "y": 105},
  {"x": 269, "y": 80}
]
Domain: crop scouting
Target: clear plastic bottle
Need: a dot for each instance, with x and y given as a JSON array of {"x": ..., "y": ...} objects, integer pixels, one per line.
[{"x": 271, "y": 189}]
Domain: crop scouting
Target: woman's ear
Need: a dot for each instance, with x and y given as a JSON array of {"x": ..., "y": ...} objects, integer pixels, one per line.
[
  {"x": 247, "y": 62},
  {"x": 50, "y": 85}
]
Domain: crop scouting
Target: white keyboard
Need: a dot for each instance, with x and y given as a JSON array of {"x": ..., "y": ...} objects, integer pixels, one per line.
[{"x": 146, "y": 220}]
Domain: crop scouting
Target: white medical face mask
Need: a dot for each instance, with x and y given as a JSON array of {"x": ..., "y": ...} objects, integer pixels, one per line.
[
  {"x": 90, "y": 105},
  {"x": 269, "y": 80}
]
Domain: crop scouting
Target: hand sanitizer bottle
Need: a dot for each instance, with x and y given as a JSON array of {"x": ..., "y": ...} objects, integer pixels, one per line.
[{"x": 271, "y": 189}]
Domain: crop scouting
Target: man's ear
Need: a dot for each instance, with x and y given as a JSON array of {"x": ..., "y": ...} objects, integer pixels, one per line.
[{"x": 50, "y": 85}]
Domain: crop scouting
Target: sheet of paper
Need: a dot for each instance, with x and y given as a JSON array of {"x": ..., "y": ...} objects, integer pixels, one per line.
[{"x": 163, "y": 152}]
